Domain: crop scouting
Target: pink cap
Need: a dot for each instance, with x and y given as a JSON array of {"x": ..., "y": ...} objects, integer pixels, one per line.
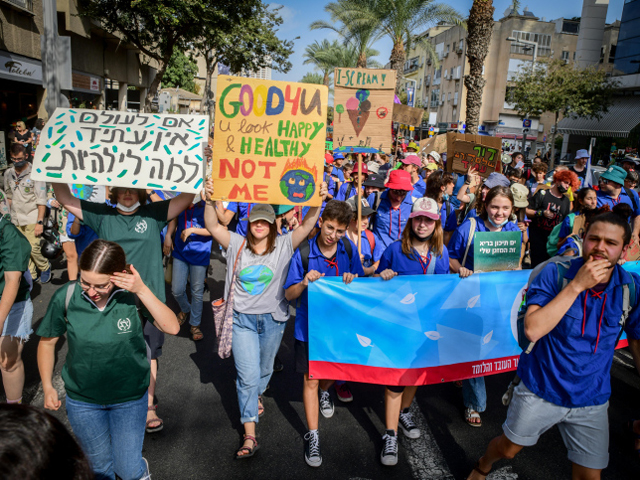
[
  {"x": 412, "y": 160},
  {"x": 425, "y": 207}
]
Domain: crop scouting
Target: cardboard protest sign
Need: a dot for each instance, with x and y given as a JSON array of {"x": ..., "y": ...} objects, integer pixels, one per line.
[
  {"x": 633, "y": 252},
  {"x": 465, "y": 150},
  {"x": 496, "y": 251},
  {"x": 407, "y": 115},
  {"x": 122, "y": 149},
  {"x": 437, "y": 143},
  {"x": 363, "y": 100},
  {"x": 269, "y": 141},
  {"x": 578, "y": 225}
]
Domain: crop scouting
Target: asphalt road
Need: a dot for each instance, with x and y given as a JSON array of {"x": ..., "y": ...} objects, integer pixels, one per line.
[{"x": 197, "y": 401}]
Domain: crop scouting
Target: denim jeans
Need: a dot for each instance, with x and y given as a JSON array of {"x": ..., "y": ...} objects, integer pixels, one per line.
[
  {"x": 198, "y": 273},
  {"x": 474, "y": 394},
  {"x": 256, "y": 340},
  {"x": 111, "y": 436}
]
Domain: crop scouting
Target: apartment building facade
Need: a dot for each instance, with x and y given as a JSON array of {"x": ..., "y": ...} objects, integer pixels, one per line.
[
  {"x": 440, "y": 84},
  {"x": 106, "y": 71}
]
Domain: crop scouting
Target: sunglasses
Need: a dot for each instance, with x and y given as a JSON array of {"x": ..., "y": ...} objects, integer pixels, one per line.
[{"x": 398, "y": 192}]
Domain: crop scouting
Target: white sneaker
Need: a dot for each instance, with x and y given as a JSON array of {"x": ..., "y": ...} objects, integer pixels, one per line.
[{"x": 326, "y": 404}]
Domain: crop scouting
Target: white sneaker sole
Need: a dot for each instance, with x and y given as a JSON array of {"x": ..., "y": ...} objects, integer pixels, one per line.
[
  {"x": 389, "y": 460},
  {"x": 313, "y": 463},
  {"x": 345, "y": 400},
  {"x": 409, "y": 433},
  {"x": 327, "y": 415}
]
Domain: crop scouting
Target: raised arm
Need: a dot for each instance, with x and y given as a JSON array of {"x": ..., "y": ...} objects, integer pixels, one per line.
[
  {"x": 218, "y": 232},
  {"x": 301, "y": 233},
  {"x": 68, "y": 201},
  {"x": 164, "y": 318},
  {"x": 179, "y": 204}
]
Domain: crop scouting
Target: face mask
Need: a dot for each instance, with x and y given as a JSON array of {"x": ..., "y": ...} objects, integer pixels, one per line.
[
  {"x": 498, "y": 225},
  {"x": 130, "y": 209},
  {"x": 561, "y": 189},
  {"x": 20, "y": 164}
]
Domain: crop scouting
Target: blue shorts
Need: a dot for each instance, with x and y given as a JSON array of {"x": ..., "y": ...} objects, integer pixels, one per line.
[
  {"x": 18, "y": 322},
  {"x": 584, "y": 430}
]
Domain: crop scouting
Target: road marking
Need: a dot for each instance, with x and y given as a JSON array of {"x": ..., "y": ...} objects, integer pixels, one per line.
[{"x": 426, "y": 459}]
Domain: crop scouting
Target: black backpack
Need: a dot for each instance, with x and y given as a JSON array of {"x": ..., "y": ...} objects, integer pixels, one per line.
[{"x": 305, "y": 250}]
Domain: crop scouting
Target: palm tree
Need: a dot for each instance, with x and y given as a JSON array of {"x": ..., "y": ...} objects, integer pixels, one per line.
[
  {"x": 401, "y": 21},
  {"x": 322, "y": 57},
  {"x": 480, "y": 27},
  {"x": 349, "y": 56},
  {"x": 357, "y": 35},
  {"x": 314, "y": 78}
]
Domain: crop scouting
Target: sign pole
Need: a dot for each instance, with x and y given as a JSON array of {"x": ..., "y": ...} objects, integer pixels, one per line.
[{"x": 359, "y": 209}]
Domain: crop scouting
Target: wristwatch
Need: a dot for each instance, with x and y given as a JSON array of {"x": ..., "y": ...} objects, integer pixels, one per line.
[{"x": 40, "y": 222}]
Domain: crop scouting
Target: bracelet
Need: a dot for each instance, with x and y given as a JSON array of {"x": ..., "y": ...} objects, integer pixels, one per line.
[{"x": 539, "y": 213}]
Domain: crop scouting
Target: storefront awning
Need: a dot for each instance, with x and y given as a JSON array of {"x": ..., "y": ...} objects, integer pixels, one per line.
[{"x": 622, "y": 117}]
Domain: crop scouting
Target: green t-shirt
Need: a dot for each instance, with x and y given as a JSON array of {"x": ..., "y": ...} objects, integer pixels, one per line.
[
  {"x": 107, "y": 359},
  {"x": 137, "y": 234},
  {"x": 15, "y": 251}
]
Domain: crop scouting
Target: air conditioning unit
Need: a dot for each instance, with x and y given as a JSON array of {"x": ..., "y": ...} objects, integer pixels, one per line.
[
  {"x": 459, "y": 51},
  {"x": 429, "y": 62},
  {"x": 441, "y": 103},
  {"x": 446, "y": 74},
  {"x": 445, "y": 54}
]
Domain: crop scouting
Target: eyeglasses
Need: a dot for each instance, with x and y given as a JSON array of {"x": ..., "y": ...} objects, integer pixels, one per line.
[
  {"x": 603, "y": 180},
  {"x": 98, "y": 288}
]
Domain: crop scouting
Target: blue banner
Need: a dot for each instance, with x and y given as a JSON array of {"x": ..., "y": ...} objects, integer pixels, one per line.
[{"x": 416, "y": 330}]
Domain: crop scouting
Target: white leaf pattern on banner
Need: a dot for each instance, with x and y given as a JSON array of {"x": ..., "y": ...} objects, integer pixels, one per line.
[
  {"x": 409, "y": 299},
  {"x": 487, "y": 338},
  {"x": 364, "y": 341},
  {"x": 472, "y": 301},
  {"x": 433, "y": 335}
]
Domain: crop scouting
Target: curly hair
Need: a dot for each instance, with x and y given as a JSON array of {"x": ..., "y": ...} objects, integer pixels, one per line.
[
  {"x": 540, "y": 167},
  {"x": 567, "y": 176}
]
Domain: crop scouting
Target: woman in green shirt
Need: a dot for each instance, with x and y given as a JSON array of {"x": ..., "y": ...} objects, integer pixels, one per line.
[
  {"x": 16, "y": 309},
  {"x": 106, "y": 373}
]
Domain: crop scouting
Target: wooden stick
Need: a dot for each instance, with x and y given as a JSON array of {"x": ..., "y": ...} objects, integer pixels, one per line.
[{"x": 359, "y": 210}]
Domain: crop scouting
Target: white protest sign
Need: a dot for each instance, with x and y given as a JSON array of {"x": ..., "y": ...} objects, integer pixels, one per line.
[{"x": 123, "y": 149}]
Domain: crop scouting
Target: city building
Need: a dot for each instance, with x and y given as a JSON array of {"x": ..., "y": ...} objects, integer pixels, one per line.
[
  {"x": 106, "y": 71},
  {"x": 440, "y": 86}
]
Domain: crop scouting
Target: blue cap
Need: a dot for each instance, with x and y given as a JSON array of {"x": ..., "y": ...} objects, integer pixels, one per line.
[
  {"x": 338, "y": 156},
  {"x": 496, "y": 179}
]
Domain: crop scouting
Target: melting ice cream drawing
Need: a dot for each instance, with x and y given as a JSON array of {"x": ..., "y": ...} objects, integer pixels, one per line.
[{"x": 358, "y": 109}]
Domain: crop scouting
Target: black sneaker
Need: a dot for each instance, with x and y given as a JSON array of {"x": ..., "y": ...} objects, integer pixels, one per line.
[
  {"x": 389, "y": 454},
  {"x": 407, "y": 425},
  {"x": 312, "y": 449},
  {"x": 326, "y": 404},
  {"x": 277, "y": 365}
]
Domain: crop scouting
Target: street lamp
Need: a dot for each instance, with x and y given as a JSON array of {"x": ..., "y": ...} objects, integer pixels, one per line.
[{"x": 415, "y": 85}]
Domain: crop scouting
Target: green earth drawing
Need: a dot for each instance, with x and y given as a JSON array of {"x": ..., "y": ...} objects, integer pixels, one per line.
[{"x": 255, "y": 279}]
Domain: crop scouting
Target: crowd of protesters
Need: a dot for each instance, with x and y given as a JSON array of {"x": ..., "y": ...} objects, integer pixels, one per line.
[{"x": 416, "y": 218}]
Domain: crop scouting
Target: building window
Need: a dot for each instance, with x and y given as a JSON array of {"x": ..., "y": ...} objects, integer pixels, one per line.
[
  {"x": 565, "y": 56},
  {"x": 543, "y": 41},
  {"x": 612, "y": 53},
  {"x": 461, "y": 45},
  {"x": 455, "y": 99},
  {"x": 435, "y": 95},
  {"x": 449, "y": 97}
]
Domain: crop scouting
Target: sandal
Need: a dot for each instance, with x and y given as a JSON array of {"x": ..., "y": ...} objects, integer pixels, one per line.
[
  {"x": 182, "y": 317},
  {"x": 249, "y": 451},
  {"x": 196, "y": 334},
  {"x": 470, "y": 414},
  {"x": 260, "y": 406},
  {"x": 477, "y": 469},
  {"x": 158, "y": 427}
]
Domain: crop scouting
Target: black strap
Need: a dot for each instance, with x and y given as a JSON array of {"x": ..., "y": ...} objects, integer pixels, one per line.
[
  {"x": 448, "y": 204},
  {"x": 632, "y": 198},
  {"x": 349, "y": 188},
  {"x": 305, "y": 250}
]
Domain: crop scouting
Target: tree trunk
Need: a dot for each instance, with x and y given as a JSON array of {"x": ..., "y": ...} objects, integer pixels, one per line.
[
  {"x": 479, "y": 27},
  {"x": 153, "y": 88},
  {"x": 552, "y": 159},
  {"x": 397, "y": 62},
  {"x": 325, "y": 78},
  {"x": 362, "y": 60},
  {"x": 207, "y": 83}
]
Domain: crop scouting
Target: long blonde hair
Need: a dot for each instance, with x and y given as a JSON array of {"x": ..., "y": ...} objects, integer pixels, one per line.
[{"x": 436, "y": 242}]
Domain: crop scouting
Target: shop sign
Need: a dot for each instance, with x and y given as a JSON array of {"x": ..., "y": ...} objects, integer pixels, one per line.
[{"x": 20, "y": 68}]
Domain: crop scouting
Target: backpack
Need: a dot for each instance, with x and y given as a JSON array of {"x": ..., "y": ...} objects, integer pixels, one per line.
[
  {"x": 563, "y": 264},
  {"x": 348, "y": 192},
  {"x": 631, "y": 197},
  {"x": 67, "y": 298},
  {"x": 305, "y": 250},
  {"x": 554, "y": 236},
  {"x": 371, "y": 238},
  {"x": 375, "y": 206}
]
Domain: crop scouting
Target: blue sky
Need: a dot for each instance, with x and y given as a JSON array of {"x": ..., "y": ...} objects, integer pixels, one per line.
[{"x": 298, "y": 14}]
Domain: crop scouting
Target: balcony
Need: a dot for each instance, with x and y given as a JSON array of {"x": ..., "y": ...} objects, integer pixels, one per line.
[
  {"x": 20, "y": 5},
  {"x": 410, "y": 68}
]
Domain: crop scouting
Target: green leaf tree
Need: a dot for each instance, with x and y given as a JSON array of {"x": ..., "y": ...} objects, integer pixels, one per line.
[
  {"x": 479, "y": 27},
  {"x": 181, "y": 72},
  {"x": 322, "y": 56},
  {"x": 252, "y": 44},
  {"x": 562, "y": 89},
  {"x": 156, "y": 27},
  {"x": 312, "y": 77}
]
